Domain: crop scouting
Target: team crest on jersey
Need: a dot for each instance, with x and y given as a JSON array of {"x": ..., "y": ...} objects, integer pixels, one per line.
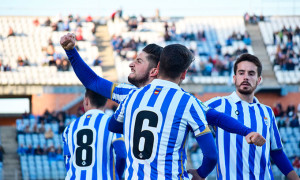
[
  {"x": 266, "y": 120},
  {"x": 157, "y": 91}
]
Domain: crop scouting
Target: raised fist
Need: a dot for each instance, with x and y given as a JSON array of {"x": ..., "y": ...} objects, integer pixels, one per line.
[{"x": 68, "y": 41}]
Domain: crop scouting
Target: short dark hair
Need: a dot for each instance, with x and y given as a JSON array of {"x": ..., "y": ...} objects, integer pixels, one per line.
[
  {"x": 249, "y": 58},
  {"x": 153, "y": 53},
  {"x": 174, "y": 60},
  {"x": 96, "y": 99}
]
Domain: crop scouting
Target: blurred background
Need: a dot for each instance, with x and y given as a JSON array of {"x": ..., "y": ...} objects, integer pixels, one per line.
[{"x": 40, "y": 94}]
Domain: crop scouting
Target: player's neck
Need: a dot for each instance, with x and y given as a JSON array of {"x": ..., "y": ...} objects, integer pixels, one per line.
[
  {"x": 93, "y": 107},
  {"x": 176, "y": 81},
  {"x": 246, "y": 97}
]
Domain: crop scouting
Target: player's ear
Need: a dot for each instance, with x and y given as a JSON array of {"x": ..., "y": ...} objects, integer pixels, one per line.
[
  {"x": 182, "y": 77},
  {"x": 233, "y": 79},
  {"x": 153, "y": 72},
  {"x": 260, "y": 80}
]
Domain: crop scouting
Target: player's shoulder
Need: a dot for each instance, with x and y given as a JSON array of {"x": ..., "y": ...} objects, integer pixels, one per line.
[
  {"x": 125, "y": 86},
  {"x": 215, "y": 100}
]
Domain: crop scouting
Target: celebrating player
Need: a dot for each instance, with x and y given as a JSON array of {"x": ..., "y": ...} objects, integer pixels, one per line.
[
  {"x": 157, "y": 119},
  {"x": 88, "y": 145},
  {"x": 237, "y": 159},
  {"x": 143, "y": 71}
]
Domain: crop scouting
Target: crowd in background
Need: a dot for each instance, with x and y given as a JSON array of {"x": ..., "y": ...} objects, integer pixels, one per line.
[{"x": 285, "y": 56}]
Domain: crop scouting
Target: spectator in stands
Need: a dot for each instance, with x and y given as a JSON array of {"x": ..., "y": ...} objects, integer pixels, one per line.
[
  {"x": 10, "y": 32},
  {"x": 47, "y": 23},
  {"x": 20, "y": 61},
  {"x": 218, "y": 47},
  {"x": 246, "y": 18},
  {"x": 1, "y": 153},
  {"x": 59, "y": 154},
  {"x": 30, "y": 150},
  {"x": 21, "y": 150},
  {"x": 20, "y": 127},
  {"x": 261, "y": 18},
  {"x": 296, "y": 162},
  {"x": 297, "y": 31},
  {"x": 247, "y": 40},
  {"x": 244, "y": 50},
  {"x": 229, "y": 41},
  {"x": 238, "y": 52},
  {"x": 35, "y": 129},
  {"x": 97, "y": 61},
  {"x": 295, "y": 121},
  {"x": 61, "y": 127},
  {"x": 27, "y": 129},
  {"x": 36, "y": 22},
  {"x": 65, "y": 65},
  {"x": 38, "y": 150},
  {"x": 49, "y": 134},
  {"x": 51, "y": 153},
  {"x": 42, "y": 127},
  {"x": 290, "y": 111}
]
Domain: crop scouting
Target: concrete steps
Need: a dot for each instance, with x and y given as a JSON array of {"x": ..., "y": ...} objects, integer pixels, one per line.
[
  {"x": 106, "y": 53},
  {"x": 11, "y": 161},
  {"x": 269, "y": 79}
]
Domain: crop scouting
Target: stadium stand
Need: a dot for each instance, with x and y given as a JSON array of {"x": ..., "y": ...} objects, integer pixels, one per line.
[
  {"x": 31, "y": 53},
  {"x": 281, "y": 36},
  {"x": 214, "y": 41},
  {"x": 39, "y": 146}
]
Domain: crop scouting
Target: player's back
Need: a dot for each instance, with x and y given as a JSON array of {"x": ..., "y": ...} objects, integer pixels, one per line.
[
  {"x": 157, "y": 120},
  {"x": 87, "y": 144}
]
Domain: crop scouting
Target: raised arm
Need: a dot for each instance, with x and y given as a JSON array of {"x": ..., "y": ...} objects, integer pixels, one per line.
[{"x": 84, "y": 73}]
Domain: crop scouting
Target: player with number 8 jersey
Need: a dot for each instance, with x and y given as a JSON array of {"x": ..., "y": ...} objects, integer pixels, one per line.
[{"x": 89, "y": 147}]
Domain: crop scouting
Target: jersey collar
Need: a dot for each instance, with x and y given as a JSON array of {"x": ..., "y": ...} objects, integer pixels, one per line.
[
  {"x": 236, "y": 98},
  {"x": 160, "y": 82},
  {"x": 91, "y": 111}
]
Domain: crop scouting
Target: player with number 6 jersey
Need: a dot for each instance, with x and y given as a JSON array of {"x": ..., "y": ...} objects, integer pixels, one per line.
[{"x": 89, "y": 146}]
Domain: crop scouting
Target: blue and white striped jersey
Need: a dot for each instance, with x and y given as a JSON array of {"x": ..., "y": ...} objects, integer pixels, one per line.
[
  {"x": 88, "y": 147},
  {"x": 237, "y": 159},
  {"x": 157, "y": 119},
  {"x": 120, "y": 91}
]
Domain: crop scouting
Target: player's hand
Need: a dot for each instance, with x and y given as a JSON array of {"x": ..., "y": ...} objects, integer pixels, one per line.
[
  {"x": 255, "y": 138},
  {"x": 68, "y": 41},
  {"x": 195, "y": 174}
]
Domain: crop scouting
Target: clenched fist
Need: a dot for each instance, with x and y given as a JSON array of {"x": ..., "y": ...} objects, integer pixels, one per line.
[
  {"x": 68, "y": 41},
  {"x": 255, "y": 138}
]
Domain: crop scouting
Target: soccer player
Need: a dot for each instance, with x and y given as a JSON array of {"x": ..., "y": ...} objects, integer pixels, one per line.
[
  {"x": 89, "y": 146},
  {"x": 237, "y": 159},
  {"x": 143, "y": 71},
  {"x": 157, "y": 119}
]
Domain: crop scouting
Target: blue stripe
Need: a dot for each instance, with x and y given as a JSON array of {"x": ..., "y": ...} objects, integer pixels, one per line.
[
  {"x": 239, "y": 145},
  {"x": 83, "y": 175},
  {"x": 226, "y": 141},
  {"x": 215, "y": 104},
  {"x": 111, "y": 164},
  {"x": 87, "y": 120},
  {"x": 153, "y": 97},
  {"x": 122, "y": 91},
  {"x": 270, "y": 170},
  {"x": 252, "y": 147},
  {"x": 141, "y": 172},
  {"x": 73, "y": 146},
  {"x": 173, "y": 135},
  {"x": 263, "y": 157},
  {"x": 164, "y": 110},
  {"x": 136, "y": 104},
  {"x": 96, "y": 126},
  {"x": 275, "y": 130},
  {"x": 104, "y": 157},
  {"x": 196, "y": 117},
  {"x": 181, "y": 152}
]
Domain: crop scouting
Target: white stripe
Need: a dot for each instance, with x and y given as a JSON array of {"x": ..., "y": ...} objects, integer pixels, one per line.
[
  {"x": 100, "y": 137},
  {"x": 166, "y": 135},
  {"x": 221, "y": 144},
  {"x": 246, "y": 146},
  {"x": 260, "y": 122}
]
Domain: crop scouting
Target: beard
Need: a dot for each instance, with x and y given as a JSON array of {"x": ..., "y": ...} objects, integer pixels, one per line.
[
  {"x": 139, "y": 82},
  {"x": 245, "y": 91}
]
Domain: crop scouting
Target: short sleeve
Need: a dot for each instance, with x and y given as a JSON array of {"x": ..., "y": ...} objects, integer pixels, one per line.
[
  {"x": 274, "y": 136},
  {"x": 197, "y": 120},
  {"x": 120, "y": 91}
]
